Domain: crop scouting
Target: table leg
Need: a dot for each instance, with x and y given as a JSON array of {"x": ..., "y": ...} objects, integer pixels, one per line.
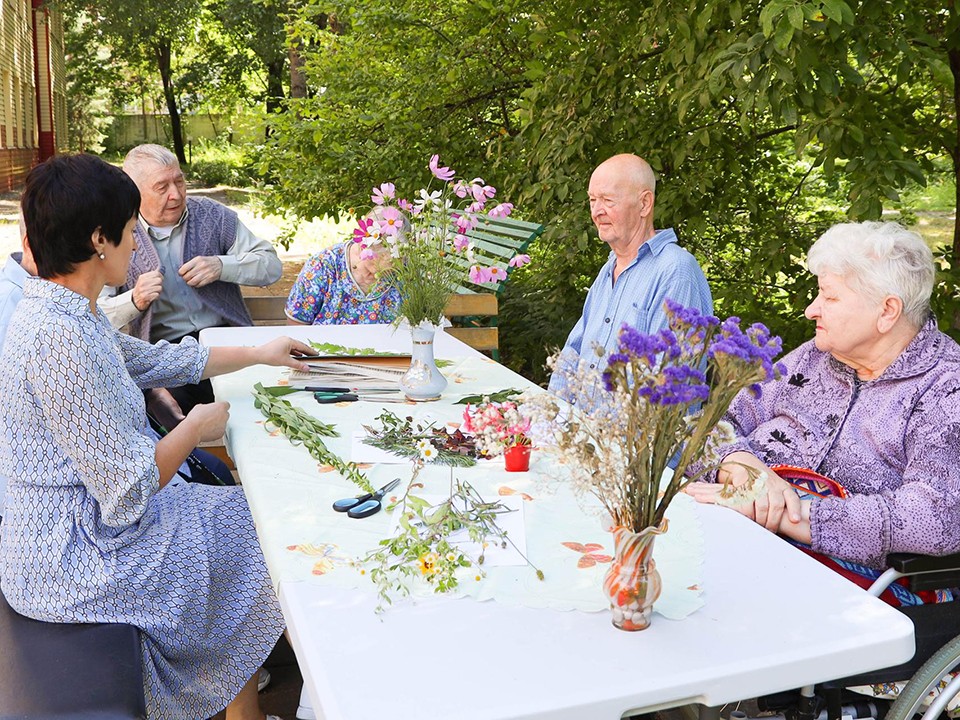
[{"x": 709, "y": 713}]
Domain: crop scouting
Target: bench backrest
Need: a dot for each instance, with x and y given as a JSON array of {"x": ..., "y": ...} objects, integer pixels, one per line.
[
  {"x": 266, "y": 309},
  {"x": 474, "y": 307},
  {"x": 495, "y": 242}
]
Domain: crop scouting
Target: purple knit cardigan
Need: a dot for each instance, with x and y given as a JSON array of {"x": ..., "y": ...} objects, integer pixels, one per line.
[
  {"x": 893, "y": 442},
  {"x": 210, "y": 229}
]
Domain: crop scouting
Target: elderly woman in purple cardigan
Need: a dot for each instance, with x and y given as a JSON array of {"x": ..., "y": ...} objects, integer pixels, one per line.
[{"x": 873, "y": 402}]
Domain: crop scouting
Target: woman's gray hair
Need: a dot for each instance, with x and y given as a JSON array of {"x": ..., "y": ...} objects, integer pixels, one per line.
[
  {"x": 879, "y": 259},
  {"x": 147, "y": 154}
]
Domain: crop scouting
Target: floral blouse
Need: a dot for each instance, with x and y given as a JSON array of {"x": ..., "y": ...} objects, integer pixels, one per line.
[{"x": 325, "y": 293}]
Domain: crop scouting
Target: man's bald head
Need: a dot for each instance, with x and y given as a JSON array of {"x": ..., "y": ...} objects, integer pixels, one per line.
[
  {"x": 632, "y": 170},
  {"x": 621, "y": 196}
]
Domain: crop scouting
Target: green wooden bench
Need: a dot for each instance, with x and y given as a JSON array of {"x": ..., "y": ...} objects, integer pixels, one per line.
[
  {"x": 473, "y": 311},
  {"x": 495, "y": 243},
  {"x": 268, "y": 310}
]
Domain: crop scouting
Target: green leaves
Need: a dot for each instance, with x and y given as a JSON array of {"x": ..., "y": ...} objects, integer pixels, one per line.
[
  {"x": 301, "y": 428},
  {"x": 403, "y": 437},
  {"x": 428, "y": 546},
  {"x": 765, "y": 122}
]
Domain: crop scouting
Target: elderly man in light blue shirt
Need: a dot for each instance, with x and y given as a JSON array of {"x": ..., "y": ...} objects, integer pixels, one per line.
[
  {"x": 646, "y": 266},
  {"x": 200, "y": 251}
]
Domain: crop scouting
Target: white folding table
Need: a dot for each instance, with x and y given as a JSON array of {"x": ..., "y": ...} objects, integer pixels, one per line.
[{"x": 773, "y": 618}]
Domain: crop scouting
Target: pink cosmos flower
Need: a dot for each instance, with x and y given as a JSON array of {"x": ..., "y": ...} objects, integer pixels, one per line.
[
  {"x": 386, "y": 191},
  {"x": 480, "y": 274},
  {"x": 405, "y": 205},
  {"x": 519, "y": 260},
  {"x": 482, "y": 192},
  {"x": 501, "y": 210},
  {"x": 441, "y": 173},
  {"x": 465, "y": 223},
  {"x": 460, "y": 190},
  {"x": 497, "y": 274},
  {"x": 391, "y": 221},
  {"x": 475, "y": 207},
  {"x": 362, "y": 231},
  {"x": 461, "y": 242}
]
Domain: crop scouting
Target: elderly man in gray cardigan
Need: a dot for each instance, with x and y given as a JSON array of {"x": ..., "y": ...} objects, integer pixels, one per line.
[{"x": 197, "y": 251}]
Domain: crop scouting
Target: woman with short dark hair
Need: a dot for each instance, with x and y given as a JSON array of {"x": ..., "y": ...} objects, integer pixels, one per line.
[{"x": 93, "y": 529}]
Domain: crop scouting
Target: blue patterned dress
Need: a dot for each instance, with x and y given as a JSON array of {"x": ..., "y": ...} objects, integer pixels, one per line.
[
  {"x": 325, "y": 293},
  {"x": 86, "y": 534}
]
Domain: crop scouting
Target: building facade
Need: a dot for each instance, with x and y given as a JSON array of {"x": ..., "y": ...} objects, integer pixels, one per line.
[{"x": 32, "y": 87}]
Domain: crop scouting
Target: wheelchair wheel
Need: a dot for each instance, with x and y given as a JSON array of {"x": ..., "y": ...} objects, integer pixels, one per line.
[{"x": 929, "y": 678}]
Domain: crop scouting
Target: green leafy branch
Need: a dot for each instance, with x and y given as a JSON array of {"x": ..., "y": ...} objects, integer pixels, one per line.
[
  {"x": 301, "y": 428},
  {"x": 326, "y": 348},
  {"x": 498, "y": 397},
  {"x": 334, "y": 350}
]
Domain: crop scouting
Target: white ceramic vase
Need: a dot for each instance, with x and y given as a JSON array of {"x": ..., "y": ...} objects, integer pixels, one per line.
[{"x": 423, "y": 381}]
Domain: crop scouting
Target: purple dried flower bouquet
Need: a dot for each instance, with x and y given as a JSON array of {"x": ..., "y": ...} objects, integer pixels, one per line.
[{"x": 665, "y": 397}]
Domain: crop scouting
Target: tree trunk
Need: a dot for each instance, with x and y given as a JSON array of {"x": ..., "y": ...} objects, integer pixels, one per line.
[
  {"x": 275, "y": 86},
  {"x": 298, "y": 80},
  {"x": 162, "y": 49},
  {"x": 143, "y": 107},
  {"x": 274, "y": 91},
  {"x": 954, "y": 57}
]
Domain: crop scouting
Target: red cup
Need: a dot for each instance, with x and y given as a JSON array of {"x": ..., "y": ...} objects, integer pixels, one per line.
[{"x": 516, "y": 458}]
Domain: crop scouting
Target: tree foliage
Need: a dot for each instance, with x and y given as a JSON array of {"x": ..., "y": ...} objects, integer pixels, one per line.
[
  {"x": 766, "y": 121},
  {"x": 257, "y": 30},
  {"x": 146, "y": 29},
  {"x": 389, "y": 85},
  {"x": 89, "y": 80},
  {"x": 189, "y": 56}
]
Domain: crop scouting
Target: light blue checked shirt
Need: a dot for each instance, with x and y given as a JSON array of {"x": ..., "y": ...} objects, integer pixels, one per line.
[{"x": 661, "y": 270}]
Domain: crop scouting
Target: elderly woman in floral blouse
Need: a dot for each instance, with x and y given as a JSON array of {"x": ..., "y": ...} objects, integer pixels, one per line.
[
  {"x": 342, "y": 285},
  {"x": 873, "y": 402}
]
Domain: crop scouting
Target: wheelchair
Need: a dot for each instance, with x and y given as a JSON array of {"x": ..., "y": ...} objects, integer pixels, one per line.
[{"x": 937, "y": 632}]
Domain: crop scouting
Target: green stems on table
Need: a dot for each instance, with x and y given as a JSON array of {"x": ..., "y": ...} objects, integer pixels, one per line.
[{"x": 301, "y": 428}]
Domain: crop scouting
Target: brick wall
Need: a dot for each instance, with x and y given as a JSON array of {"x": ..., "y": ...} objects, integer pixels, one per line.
[{"x": 15, "y": 163}]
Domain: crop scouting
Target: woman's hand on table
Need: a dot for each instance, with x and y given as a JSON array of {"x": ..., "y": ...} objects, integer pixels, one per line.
[
  {"x": 779, "y": 505},
  {"x": 279, "y": 352},
  {"x": 283, "y": 352}
]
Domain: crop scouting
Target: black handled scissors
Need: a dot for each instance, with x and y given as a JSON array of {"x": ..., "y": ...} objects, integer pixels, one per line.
[{"x": 367, "y": 504}]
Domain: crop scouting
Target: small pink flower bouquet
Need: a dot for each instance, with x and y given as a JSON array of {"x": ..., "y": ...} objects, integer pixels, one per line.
[
  {"x": 497, "y": 426},
  {"x": 436, "y": 253}
]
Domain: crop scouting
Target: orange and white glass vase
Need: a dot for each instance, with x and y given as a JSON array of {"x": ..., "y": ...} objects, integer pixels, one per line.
[{"x": 632, "y": 583}]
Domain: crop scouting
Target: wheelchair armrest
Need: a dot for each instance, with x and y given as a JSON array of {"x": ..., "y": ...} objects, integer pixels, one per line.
[{"x": 927, "y": 572}]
